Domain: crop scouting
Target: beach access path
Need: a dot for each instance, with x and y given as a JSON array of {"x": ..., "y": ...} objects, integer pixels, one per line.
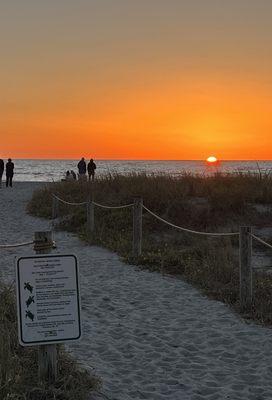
[{"x": 146, "y": 335}]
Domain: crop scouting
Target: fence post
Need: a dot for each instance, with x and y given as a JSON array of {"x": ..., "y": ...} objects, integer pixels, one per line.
[
  {"x": 245, "y": 268},
  {"x": 47, "y": 357},
  {"x": 90, "y": 217},
  {"x": 137, "y": 226}
]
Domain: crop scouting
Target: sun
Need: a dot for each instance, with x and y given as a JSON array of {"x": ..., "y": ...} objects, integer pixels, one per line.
[{"x": 212, "y": 160}]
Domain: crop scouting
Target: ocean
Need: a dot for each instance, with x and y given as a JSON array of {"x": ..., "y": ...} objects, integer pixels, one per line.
[{"x": 54, "y": 170}]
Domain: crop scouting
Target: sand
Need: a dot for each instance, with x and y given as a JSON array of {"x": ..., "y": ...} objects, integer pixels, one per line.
[{"x": 146, "y": 335}]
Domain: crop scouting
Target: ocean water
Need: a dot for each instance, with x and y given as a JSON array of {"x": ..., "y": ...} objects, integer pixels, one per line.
[{"x": 54, "y": 170}]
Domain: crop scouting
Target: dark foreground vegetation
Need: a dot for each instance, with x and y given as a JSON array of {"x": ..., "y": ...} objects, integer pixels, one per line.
[
  {"x": 217, "y": 203},
  {"x": 19, "y": 366}
]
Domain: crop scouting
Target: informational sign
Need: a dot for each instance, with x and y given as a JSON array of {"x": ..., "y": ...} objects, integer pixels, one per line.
[{"x": 48, "y": 299}]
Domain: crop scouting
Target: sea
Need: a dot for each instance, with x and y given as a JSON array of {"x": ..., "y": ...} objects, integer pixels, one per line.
[{"x": 54, "y": 170}]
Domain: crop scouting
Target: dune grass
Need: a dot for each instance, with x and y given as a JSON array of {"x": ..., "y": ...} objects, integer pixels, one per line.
[
  {"x": 215, "y": 203},
  {"x": 19, "y": 365}
]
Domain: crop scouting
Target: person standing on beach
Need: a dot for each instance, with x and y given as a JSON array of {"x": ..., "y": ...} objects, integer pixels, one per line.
[
  {"x": 91, "y": 169},
  {"x": 2, "y": 167},
  {"x": 9, "y": 172},
  {"x": 82, "y": 169}
]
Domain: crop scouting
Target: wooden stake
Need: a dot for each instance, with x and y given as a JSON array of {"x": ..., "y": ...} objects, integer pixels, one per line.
[
  {"x": 245, "y": 268},
  {"x": 47, "y": 360},
  {"x": 47, "y": 357},
  {"x": 137, "y": 226}
]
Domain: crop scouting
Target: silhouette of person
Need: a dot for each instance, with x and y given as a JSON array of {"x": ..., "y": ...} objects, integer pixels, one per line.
[
  {"x": 9, "y": 172},
  {"x": 73, "y": 174},
  {"x": 2, "y": 168},
  {"x": 91, "y": 169},
  {"x": 68, "y": 176},
  {"x": 82, "y": 168}
]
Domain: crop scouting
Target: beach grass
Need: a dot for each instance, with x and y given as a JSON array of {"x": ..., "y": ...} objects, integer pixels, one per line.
[
  {"x": 19, "y": 365},
  {"x": 218, "y": 203}
]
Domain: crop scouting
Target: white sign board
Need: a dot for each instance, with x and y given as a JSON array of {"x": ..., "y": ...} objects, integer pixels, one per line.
[{"x": 48, "y": 299}]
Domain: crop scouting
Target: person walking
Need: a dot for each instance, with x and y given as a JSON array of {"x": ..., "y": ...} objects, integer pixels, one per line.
[
  {"x": 91, "y": 169},
  {"x": 9, "y": 172},
  {"x": 82, "y": 169},
  {"x": 2, "y": 168}
]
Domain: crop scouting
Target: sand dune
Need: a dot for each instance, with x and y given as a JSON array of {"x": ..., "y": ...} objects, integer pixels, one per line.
[{"x": 150, "y": 336}]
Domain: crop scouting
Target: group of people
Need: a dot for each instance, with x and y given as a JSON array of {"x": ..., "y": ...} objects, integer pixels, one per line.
[
  {"x": 70, "y": 176},
  {"x": 83, "y": 169},
  {"x": 9, "y": 172}
]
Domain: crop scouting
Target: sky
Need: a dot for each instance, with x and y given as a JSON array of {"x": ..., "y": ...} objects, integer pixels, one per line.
[{"x": 145, "y": 79}]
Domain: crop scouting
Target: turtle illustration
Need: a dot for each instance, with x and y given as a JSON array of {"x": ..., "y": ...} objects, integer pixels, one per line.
[
  {"x": 30, "y": 300},
  {"x": 28, "y": 287},
  {"x": 29, "y": 315}
]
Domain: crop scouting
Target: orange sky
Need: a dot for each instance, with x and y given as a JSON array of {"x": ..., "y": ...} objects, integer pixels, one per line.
[{"x": 152, "y": 80}]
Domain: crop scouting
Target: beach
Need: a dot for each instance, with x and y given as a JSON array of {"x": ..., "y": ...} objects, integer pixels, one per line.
[{"x": 147, "y": 335}]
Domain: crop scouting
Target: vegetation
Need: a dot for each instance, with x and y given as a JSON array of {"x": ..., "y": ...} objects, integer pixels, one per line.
[
  {"x": 18, "y": 365},
  {"x": 215, "y": 203}
]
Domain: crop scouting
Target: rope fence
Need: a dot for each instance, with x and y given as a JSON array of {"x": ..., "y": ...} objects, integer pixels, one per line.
[
  {"x": 96, "y": 204},
  {"x": 39, "y": 244},
  {"x": 245, "y": 239},
  {"x": 11, "y": 246},
  {"x": 189, "y": 230},
  {"x": 261, "y": 241},
  {"x": 69, "y": 203},
  {"x": 113, "y": 207},
  {"x": 150, "y": 212}
]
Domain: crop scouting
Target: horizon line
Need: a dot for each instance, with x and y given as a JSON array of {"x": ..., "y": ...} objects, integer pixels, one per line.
[{"x": 137, "y": 159}]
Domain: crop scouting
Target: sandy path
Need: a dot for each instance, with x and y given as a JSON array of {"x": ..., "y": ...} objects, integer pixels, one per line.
[{"x": 149, "y": 336}]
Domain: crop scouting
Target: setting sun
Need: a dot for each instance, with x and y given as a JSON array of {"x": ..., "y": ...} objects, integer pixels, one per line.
[{"x": 212, "y": 159}]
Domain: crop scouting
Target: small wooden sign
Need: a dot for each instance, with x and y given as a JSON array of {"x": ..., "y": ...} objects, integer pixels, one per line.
[{"x": 48, "y": 300}]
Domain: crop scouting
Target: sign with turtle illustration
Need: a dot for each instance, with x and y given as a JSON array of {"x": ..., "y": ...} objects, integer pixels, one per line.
[{"x": 48, "y": 299}]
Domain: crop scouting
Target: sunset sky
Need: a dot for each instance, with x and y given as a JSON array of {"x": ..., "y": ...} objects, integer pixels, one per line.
[{"x": 145, "y": 79}]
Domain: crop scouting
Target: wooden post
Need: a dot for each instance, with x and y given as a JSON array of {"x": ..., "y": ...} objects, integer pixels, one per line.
[
  {"x": 90, "y": 217},
  {"x": 245, "y": 268},
  {"x": 137, "y": 226},
  {"x": 47, "y": 357}
]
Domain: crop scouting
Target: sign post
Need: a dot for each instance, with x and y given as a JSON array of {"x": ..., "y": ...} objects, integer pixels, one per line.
[{"x": 48, "y": 304}]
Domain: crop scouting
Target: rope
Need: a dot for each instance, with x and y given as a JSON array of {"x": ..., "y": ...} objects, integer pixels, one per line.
[
  {"x": 189, "y": 230},
  {"x": 261, "y": 241},
  {"x": 9, "y": 246},
  {"x": 96, "y": 204},
  {"x": 85, "y": 202},
  {"x": 69, "y": 203},
  {"x": 114, "y": 207}
]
